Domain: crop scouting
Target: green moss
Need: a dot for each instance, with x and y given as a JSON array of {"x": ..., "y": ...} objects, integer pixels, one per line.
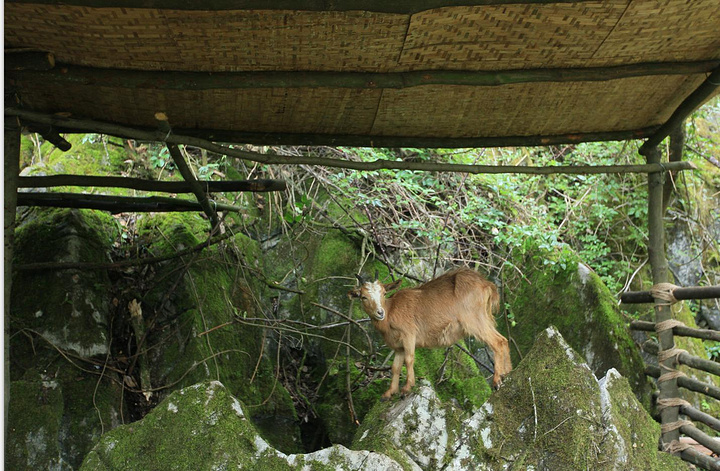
[
  {"x": 581, "y": 307},
  {"x": 207, "y": 294},
  {"x": 204, "y": 426},
  {"x": 551, "y": 412},
  {"x": 34, "y": 421}
]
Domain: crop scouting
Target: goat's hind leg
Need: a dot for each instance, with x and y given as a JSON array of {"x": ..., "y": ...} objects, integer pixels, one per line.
[{"x": 500, "y": 348}]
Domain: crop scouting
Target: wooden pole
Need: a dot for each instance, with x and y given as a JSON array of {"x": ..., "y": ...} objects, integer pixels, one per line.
[
  {"x": 695, "y": 99},
  {"x": 682, "y": 331},
  {"x": 12, "y": 172},
  {"x": 197, "y": 136},
  {"x": 274, "y": 159},
  {"x": 72, "y": 75},
  {"x": 188, "y": 175},
  {"x": 691, "y": 292},
  {"x": 658, "y": 264},
  {"x": 402, "y": 7},
  {"x": 115, "y": 204},
  {"x": 49, "y": 181}
]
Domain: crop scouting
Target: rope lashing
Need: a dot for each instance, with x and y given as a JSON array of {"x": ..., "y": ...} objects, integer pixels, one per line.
[
  {"x": 667, "y": 354},
  {"x": 676, "y": 446},
  {"x": 673, "y": 374},
  {"x": 671, "y": 402},
  {"x": 664, "y": 292},
  {"x": 667, "y": 325},
  {"x": 670, "y": 426}
]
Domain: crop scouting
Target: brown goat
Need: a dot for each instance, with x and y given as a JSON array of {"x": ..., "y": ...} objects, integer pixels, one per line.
[{"x": 455, "y": 305}]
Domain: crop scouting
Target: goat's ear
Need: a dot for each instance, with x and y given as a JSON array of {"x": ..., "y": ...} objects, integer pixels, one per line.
[
  {"x": 393, "y": 285},
  {"x": 354, "y": 293}
]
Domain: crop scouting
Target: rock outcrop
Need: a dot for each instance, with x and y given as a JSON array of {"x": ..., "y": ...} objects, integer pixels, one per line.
[{"x": 551, "y": 413}]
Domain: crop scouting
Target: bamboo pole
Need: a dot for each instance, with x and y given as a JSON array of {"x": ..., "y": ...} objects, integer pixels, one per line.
[
  {"x": 50, "y": 181},
  {"x": 187, "y": 174},
  {"x": 273, "y": 159},
  {"x": 10, "y": 179},
  {"x": 682, "y": 331},
  {"x": 115, "y": 204},
  {"x": 680, "y": 293},
  {"x": 659, "y": 267},
  {"x": 168, "y": 80}
]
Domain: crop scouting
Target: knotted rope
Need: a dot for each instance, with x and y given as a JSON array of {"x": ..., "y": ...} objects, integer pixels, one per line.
[
  {"x": 672, "y": 402},
  {"x": 667, "y": 325},
  {"x": 664, "y": 292},
  {"x": 669, "y": 427},
  {"x": 676, "y": 446}
]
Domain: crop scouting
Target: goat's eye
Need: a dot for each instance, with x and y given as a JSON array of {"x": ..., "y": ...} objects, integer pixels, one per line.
[{"x": 364, "y": 298}]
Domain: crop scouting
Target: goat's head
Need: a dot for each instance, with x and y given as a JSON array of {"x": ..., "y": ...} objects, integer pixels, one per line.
[{"x": 372, "y": 294}]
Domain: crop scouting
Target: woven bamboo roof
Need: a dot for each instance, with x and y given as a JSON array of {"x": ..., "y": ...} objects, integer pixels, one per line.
[{"x": 367, "y": 72}]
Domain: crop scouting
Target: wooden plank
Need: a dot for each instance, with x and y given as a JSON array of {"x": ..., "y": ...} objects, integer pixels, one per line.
[{"x": 169, "y": 80}]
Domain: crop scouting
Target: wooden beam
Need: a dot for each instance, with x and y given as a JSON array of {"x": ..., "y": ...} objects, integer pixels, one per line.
[
  {"x": 115, "y": 204},
  {"x": 687, "y": 383},
  {"x": 681, "y": 331},
  {"x": 404, "y": 7},
  {"x": 50, "y": 181},
  {"x": 198, "y": 138},
  {"x": 274, "y": 159},
  {"x": 695, "y": 99},
  {"x": 691, "y": 455},
  {"x": 28, "y": 59},
  {"x": 168, "y": 80},
  {"x": 709, "y": 366},
  {"x": 692, "y": 292}
]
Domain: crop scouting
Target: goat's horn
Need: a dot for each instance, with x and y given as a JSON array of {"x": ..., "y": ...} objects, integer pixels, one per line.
[
  {"x": 360, "y": 279},
  {"x": 376, "y": 275}
]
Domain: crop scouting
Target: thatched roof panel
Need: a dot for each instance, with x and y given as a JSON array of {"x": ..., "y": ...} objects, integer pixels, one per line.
[{"x": 550, "y": 41}]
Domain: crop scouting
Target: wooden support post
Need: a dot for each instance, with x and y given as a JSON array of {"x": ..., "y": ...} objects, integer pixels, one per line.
[
  {"x": 12, "y": 173},
  {"x": 187, "y": 174},
  {"x": 658, "y": 264}
]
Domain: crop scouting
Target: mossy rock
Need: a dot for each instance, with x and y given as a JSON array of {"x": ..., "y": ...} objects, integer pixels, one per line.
[
  {"x": 206, "y": 428},
  {"x": 579, "y": 304},
  {"x": 552, "y": 413},
  {"x": 197, "y": 303},
  {"x": 54, "y": 312}
]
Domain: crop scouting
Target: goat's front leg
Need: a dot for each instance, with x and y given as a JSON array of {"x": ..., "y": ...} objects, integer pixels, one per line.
[
  {"x": 396, "y": 369},
  {"x": 409, "y": 347}
]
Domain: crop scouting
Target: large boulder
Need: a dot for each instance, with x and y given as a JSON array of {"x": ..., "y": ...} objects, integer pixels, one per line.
[
  {"x": 61, "y": 399},
  {"x": 576, "y": 301},
  {"x": 551, "y": 413},
  {"x": 205, "y": 428}
]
